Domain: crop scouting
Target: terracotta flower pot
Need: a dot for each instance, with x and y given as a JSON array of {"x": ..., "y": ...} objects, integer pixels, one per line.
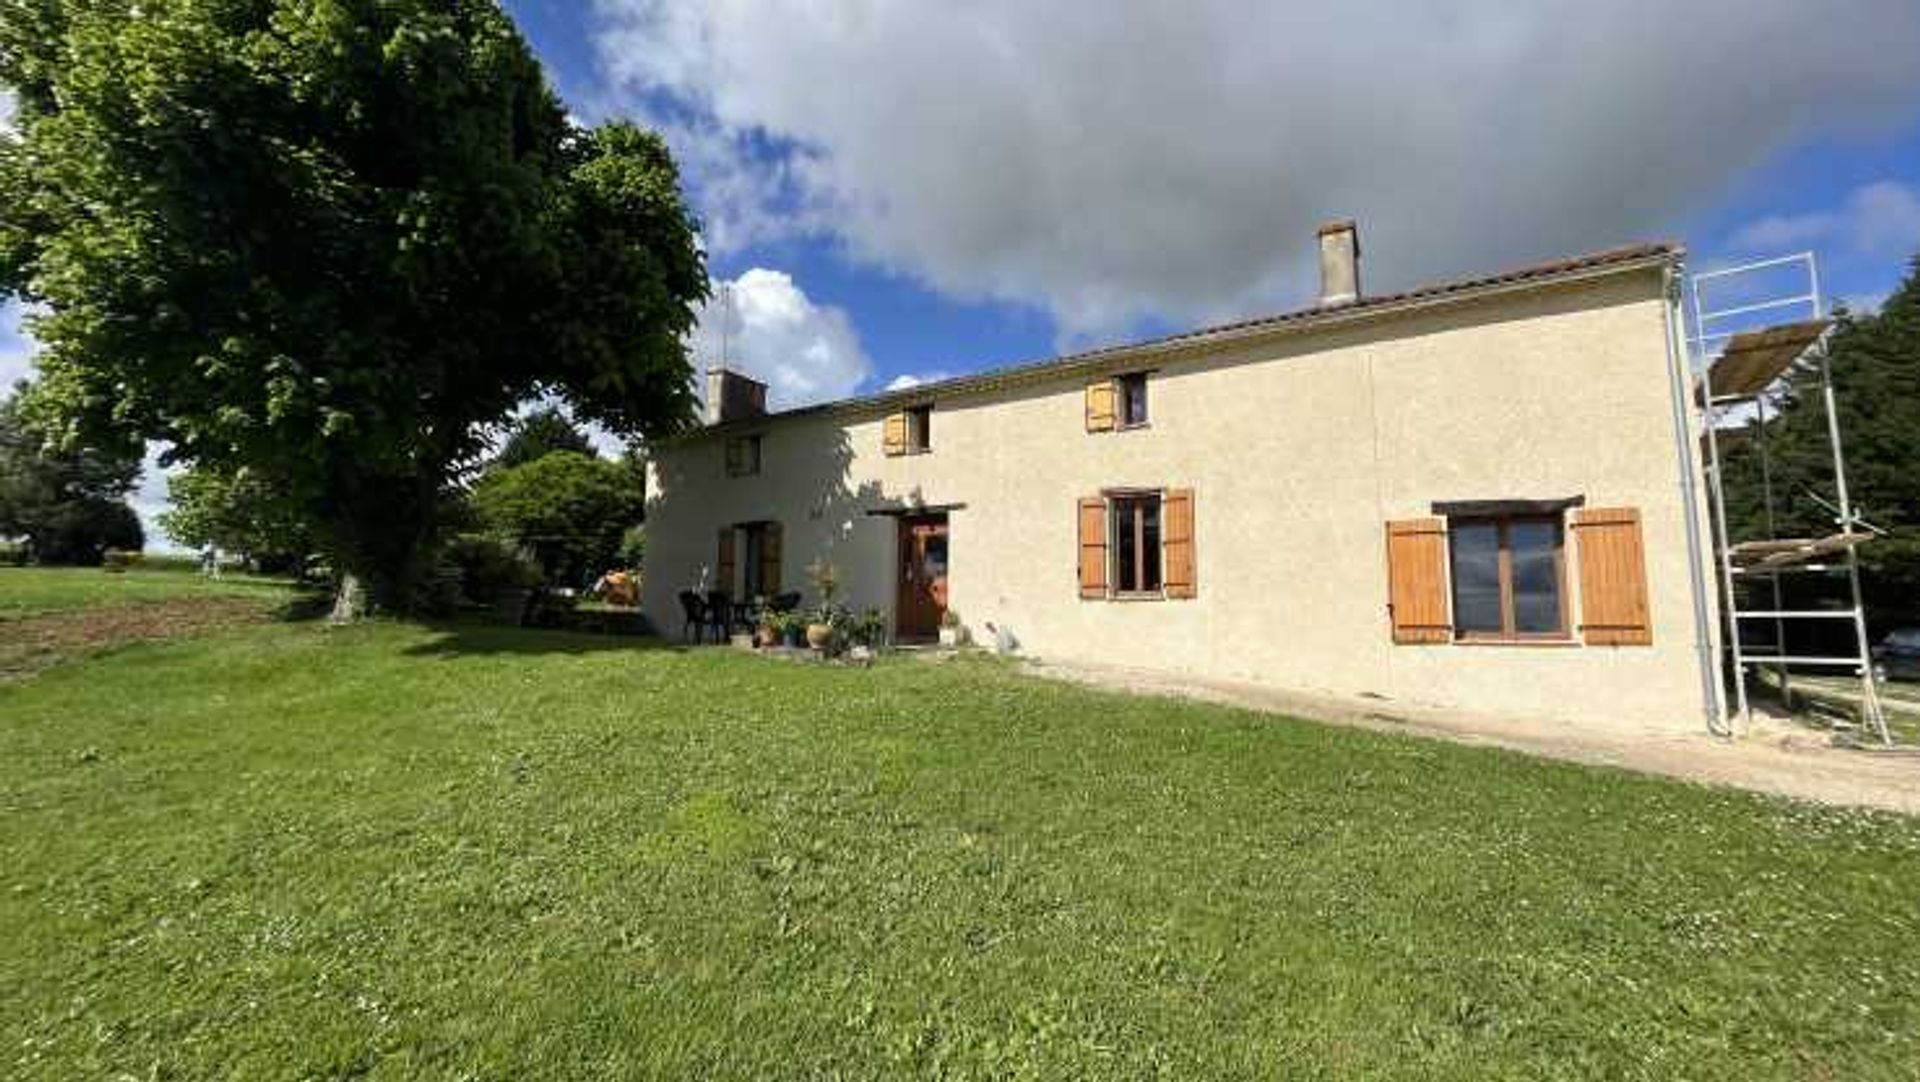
[
  {"x": 817, "y": 635},
  {"x": 765, "y": 637}
]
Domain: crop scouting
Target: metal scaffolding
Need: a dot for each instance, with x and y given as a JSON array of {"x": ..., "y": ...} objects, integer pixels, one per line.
[{"x": 1743, "y": 363}]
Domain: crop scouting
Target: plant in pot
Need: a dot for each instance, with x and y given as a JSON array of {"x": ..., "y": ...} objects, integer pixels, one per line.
[
  {"x": 793, "y": 629},
  {"x": 826, "y": 580},
  {"x": 951, "y": 632},
  {"x": 768, "y": 632}
]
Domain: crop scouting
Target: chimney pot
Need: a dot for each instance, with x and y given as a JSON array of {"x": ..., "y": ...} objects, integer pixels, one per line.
[
  {"x": 733, "y": 395},
  {"x": 1339, "y": 263}
]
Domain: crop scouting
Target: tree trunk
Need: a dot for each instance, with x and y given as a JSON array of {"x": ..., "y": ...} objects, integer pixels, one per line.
[{"x": 349, "y": 599}]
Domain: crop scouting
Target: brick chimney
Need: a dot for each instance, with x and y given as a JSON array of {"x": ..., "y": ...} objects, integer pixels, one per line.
[
  {"x": 1339, "y": 263},
  {"x": 732, "y": 395}
]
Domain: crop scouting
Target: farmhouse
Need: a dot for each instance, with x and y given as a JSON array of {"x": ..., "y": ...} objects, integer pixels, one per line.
[{"x": 1484, "y": 494}]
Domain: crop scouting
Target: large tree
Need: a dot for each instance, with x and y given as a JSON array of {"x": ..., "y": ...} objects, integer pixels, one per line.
[
  {"x": 68, "y": 502},
  {"x": 1875, "y": 361},
  {"x": 332, "y": 242}
]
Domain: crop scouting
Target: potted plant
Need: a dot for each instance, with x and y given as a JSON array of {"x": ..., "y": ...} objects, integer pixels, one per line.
[
  {"x": 793, "y": 629},
  {"x": 768, "y": 633},
  {"x": 826, "y": 579},
  {"x": 951, "y": 633}
]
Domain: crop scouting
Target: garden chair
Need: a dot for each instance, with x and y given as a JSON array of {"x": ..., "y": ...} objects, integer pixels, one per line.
[
  {"x": 786, "y": 602},
  {"x": 720, "y": 615},
  {"x": 696, "y": 615}
]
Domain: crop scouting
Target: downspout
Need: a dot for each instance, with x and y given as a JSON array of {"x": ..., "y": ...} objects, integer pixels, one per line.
[{"x": 1677, "y": 373}]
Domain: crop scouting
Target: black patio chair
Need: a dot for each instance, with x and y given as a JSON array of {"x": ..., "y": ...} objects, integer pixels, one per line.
[
  {"x": 695, "y": 611},
  {"x": 720, "y": 615},
  {"x": 786, "y": 602}
]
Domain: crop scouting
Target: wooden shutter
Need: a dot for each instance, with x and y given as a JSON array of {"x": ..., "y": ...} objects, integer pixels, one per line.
[
  {"x": 1176, "y": 542},
  {"x": 770, "y": 559},
  {"x": 1093, "y": 547},
  {"x": 1417, "y": 580},
  {"x": 1100, "y": 406},
  {"x": 1613, "y": 577},
  {"x": 723, "y": 573},
  {"x": 893, "y": 437}
]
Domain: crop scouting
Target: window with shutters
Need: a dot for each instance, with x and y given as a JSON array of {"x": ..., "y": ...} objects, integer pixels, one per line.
[
  {"x": 1508, "y": 578},
  {"x": 1132, "y": 394},
  {"x": 1135, "y": 531},
  {"x": 743, "y": 456},
  {"x": 919, "y": 430},
  {"x": 757, "y": 570}
]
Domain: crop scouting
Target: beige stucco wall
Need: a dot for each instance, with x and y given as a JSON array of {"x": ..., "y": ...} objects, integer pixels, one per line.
[{"x": 1298, "y": 451}]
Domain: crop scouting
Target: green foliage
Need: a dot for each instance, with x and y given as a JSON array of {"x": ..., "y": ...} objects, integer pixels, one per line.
[
  {"x": 333, "y": 243},
  {"x": 1876, "y": 382},
  {"x": 236, "y": 511},
  {"x": 67, "y": 502},
  {"x": 489, "y": 566},
  {"x": 541, "y": 433},
  {"x": 564, "y": 847},
  {"x": 632, "y": 553},
  {"x": 571, "y": 511}
]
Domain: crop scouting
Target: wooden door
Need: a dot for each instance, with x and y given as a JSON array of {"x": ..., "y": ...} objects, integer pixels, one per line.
[{"x": 923, "y": 577}]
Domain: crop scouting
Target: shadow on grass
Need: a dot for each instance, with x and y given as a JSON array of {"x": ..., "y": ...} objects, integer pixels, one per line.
[{"x": 463, "y": 639}]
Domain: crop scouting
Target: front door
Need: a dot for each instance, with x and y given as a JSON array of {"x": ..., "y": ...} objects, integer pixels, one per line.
[{"x": 923, "y": 577}]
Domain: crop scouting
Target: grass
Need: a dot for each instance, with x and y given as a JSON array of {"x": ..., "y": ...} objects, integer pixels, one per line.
[
  {"x": 402, "y": 852},
  {"x": 38, "y": 591}
]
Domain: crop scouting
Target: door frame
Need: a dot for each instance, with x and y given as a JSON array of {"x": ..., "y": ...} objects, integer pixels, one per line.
[{"x": 903, "y": 551}]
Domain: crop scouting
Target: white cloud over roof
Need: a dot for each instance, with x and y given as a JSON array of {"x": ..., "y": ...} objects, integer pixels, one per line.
[{"x": 1134, "y": 158}]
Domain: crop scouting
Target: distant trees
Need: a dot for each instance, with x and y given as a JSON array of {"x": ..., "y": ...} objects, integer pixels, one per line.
[
  {"x": 539, "y": 433},
  {"x": 1876, "y": 381},
  {"x": 571, "y": 511},
  {"x": 68, "y": 503},
  {"x": 239, "y": 512},
  {"x": 332, "y": 245}
]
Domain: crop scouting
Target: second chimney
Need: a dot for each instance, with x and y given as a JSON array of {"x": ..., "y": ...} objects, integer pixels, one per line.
[
  {"x": 731, "y": 396},
  {"x": 1339, "y": 263}
]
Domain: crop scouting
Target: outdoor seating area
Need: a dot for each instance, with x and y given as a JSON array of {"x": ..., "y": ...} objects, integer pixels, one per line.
[{"x": 714, "y": 616}]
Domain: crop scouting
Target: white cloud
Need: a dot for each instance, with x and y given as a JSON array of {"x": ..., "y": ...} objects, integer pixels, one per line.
[
  {"x": 1174, "y": 159},
  {"x": 1882, "y": 218},
  {"x": 765, "y": 325},
  {"x": 910, "y": 380},
  {"x": 149, "y": 498},
  {"x": 16, "y": 348},
  {"x": 1865, "y": 304}
]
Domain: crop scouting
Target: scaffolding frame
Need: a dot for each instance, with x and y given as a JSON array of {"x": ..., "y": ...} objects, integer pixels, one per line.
[{"x": 1760, "y": 359}]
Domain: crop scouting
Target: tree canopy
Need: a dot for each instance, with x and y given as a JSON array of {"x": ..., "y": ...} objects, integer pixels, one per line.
[
  {"x": 332, "y": 243},
  {"x": 69, "y": 503},
  {"x": 571, "y": 511},
  {"x": 1875, "y": 361},
  {"x": 539, "y": 433}
]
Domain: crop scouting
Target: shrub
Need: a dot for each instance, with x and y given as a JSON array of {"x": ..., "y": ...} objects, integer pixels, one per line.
[{"x": 488, "y": 567}]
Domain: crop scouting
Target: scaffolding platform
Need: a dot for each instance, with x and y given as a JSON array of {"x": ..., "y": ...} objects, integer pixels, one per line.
[
  {"x": 1742, "y": 365},
  {"x": 1789, "y": 553}
]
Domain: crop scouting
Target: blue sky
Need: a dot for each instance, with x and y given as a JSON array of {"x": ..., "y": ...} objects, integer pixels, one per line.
[{"x": 916, "y": 189}]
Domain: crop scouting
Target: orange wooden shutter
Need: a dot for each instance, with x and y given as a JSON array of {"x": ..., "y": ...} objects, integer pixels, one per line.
[
  {"x": 1613, "y": 577},
  {"x": 1093, "y": 547},
  {"x": 1176, "y": 542},
  {"x": 893, "y": 438},
  {"x": 770, "y": 559},
  {"x": 1100, "y": 408},
  {"x": 1417, "y": 580},
  {"x": 723, "y": 569}
]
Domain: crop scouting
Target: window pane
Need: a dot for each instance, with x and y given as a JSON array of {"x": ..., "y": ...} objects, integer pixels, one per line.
[
  {"x": 1536, "y": 581},
  {"x": 1124, "y": 550},
  {"x": 1475, "y": 551},
  {"x": 1133, "y": 390},
  {"x": 1150, "y": 546}
]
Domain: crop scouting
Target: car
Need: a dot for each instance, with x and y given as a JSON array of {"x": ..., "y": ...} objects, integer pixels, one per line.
[{"x": 1898, "y": 655}]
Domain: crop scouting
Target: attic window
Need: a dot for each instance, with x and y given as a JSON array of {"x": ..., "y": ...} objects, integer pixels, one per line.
[
  {"x": 919, "y": 430},
  {"x": 743, "y": 456},
  {"x": 1132, "y": 390}
]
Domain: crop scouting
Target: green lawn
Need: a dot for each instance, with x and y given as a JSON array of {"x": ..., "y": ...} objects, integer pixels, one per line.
[
  {"x": 35, "y": 591},
  {"x": 397, "y": 852}
]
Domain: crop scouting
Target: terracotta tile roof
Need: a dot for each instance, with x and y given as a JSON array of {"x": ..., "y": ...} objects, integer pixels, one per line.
[{"x": 1629, "y": 256}]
